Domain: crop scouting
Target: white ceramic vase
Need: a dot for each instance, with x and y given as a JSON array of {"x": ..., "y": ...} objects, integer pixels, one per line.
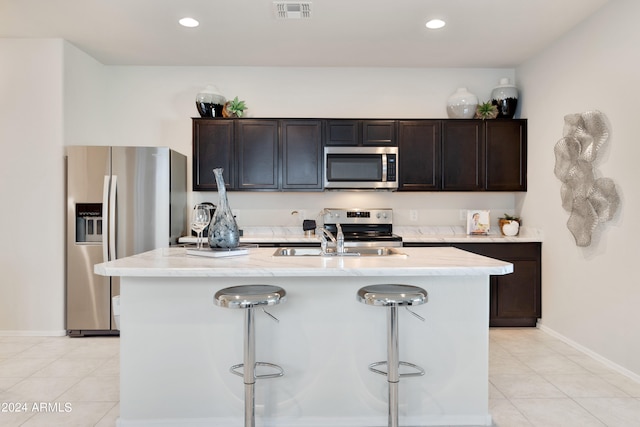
[{"x": 462, "y": 104}]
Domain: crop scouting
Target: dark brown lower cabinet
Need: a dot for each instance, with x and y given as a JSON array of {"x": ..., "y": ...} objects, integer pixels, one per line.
[{"x": 516, "y": 297}]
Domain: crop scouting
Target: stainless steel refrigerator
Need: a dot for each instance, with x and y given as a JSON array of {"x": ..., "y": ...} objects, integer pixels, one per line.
[{"x": 121, "y": 201}]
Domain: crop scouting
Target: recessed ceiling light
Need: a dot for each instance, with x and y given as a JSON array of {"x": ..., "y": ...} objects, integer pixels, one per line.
[
  {"x": 188, "y": 22},
  {"x": 434, "y": 24}
]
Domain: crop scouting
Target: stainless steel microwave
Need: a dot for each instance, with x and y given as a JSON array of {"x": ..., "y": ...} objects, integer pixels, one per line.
[{"x": 361, "y": 168}]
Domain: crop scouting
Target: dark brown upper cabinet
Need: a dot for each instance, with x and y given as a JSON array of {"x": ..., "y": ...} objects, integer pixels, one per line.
[
  {"x": 433, "y": 155},
  {"x": 506, "y": 155},
  {"x": 462, "y": 155},
  {"x": 213, "y": 147},
  {"x": 360, "y": 132},
  {"x": 258, "y": 154},
  {"x": 419, "y": 155},
  {"x": 301, "y": 154},
  {"x": 469, "y": 155}
]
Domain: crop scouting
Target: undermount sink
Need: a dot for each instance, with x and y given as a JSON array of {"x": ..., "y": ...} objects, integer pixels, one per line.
[{"x": 332, "y": 252}]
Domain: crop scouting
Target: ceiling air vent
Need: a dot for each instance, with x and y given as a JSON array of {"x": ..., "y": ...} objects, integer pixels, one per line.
[{"x": 292, "y": 9}]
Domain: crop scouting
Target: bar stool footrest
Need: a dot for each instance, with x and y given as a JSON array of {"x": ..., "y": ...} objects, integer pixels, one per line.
[
  {"x": 418, "y": 371},
  {"x": 278, "y": 370}
]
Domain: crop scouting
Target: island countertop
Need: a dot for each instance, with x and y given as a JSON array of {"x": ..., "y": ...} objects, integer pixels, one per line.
[
  {"x": 260, "y": 262},
  {"x": 176, "y": 346}
]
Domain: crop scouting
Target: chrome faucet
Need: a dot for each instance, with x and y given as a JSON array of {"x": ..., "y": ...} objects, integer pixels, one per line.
[
  {"x": 338, "y": 241},
  {"x": 324, "y": 233}
]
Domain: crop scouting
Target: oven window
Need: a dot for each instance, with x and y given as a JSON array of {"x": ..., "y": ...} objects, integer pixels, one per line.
[{"x": 354, "y": 167}]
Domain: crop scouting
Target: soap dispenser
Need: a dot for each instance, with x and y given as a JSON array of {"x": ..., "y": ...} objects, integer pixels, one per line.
[{"x": 339, "y": 240}]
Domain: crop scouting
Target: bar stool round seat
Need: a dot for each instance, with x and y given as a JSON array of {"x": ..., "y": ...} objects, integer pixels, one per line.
[
  {"x": 249, "y": 297},
  {"x": 246, "y": 296},
  {"x": 392, "y": 296}
]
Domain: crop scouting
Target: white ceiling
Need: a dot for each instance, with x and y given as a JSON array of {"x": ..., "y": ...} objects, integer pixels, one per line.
[{"x": 341, "y": 33}]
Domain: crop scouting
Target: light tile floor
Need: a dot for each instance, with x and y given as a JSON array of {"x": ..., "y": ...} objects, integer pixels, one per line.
[
  {"x": 538, "y": 380},
  {"x": 59, "y": 381},
  {"x": 534, "y": 380}
]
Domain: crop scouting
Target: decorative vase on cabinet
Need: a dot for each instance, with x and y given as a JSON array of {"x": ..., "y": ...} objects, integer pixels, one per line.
[
  {"x": 462, "y": 104},
  {"x": 210, "y": 102},
  {"x": 223, "y": 230},
  {"x": 505, "y": 97}
]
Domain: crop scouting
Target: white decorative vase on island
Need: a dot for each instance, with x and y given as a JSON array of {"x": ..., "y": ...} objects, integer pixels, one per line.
[
  {"x": 505, "y": 97},
  {"x": 462, "y": 104}
]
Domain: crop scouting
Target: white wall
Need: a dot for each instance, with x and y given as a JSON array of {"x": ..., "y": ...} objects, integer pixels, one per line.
[
  {"x": 590, "y": 295},
  {"x": 154, "y": 106},
  {"x": 31, "y": 186},
  {"x": 85, "y": 99}
]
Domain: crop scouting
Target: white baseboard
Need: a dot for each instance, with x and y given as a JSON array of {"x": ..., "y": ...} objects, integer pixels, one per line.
[
  {"x": 54, "y": 333},
  {"x": 450, "y": 420},
  {"x": 608, "y": 363}
]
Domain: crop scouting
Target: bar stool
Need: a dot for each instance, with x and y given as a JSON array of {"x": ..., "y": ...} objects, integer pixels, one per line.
[
  {"x": 249, "y": 297},
  {"x": 392, "y": 297}
]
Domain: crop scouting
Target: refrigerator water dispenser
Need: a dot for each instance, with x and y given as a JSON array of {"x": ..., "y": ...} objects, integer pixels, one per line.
[{"x": 88, "y": 222}]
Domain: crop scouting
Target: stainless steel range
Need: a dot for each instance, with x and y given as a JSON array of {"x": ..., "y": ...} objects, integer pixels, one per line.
[{"x": 363, "y": 227}]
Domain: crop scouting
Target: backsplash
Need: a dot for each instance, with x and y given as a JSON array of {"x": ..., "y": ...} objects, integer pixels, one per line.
[{"x": 254, "y": 209}]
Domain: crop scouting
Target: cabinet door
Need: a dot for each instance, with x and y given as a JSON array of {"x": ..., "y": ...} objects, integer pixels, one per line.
[
  {"x": 360, "y": 132},
  {"x": 379, "y": 133},
  {"x": 462, "y": 155},
  {"x": 342, "y": 132},
  {"x": 212, "y": 148},
  {"x": 301, "y": 154},
  {"x": 517, "y": 295},
  {"x": 257, "y": 154},
  {"x": 506, "y": 155},
  {"x": 419, "y": 155}
]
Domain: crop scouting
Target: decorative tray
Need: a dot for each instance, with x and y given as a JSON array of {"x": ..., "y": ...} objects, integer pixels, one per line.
[{"x": 219, "y": 252}]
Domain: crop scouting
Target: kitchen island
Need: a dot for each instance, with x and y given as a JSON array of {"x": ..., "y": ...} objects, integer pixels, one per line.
[{"x": 176, "y": 347}]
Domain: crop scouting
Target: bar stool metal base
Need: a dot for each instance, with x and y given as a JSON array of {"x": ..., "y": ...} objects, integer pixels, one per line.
[
  {"x": 278, "y": 370},
  {"x": 418, "y": 370},
  {"x": 247, "y": 297},
  {"x": 391, "y": 297}
]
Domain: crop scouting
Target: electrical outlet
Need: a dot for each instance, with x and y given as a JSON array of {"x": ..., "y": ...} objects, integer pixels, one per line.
[
  {"x": 413, "y": 215},
  {"x": 463, "y": 215}
]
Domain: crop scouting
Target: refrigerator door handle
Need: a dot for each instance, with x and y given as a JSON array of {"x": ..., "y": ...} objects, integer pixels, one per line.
[
  {"x": 112, "y": 218},
  {"x": 105, "y": 222}
]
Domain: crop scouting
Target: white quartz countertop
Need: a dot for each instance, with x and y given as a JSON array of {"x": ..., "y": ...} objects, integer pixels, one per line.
[
  {"x": 426, "y": 234},
  {"x": 260, "y": 262},
  {"x": 458, "y": 234}
]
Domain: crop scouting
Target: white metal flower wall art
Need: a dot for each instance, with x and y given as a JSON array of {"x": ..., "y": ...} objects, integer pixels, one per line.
[{"x": 588, "y": 199}]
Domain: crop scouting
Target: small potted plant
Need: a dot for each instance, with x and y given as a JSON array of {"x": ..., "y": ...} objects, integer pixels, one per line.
[
  {"x": 509, "y": 225},
  {"x": 234, "y": 108},
  {"x": 486, "y": 110}
]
